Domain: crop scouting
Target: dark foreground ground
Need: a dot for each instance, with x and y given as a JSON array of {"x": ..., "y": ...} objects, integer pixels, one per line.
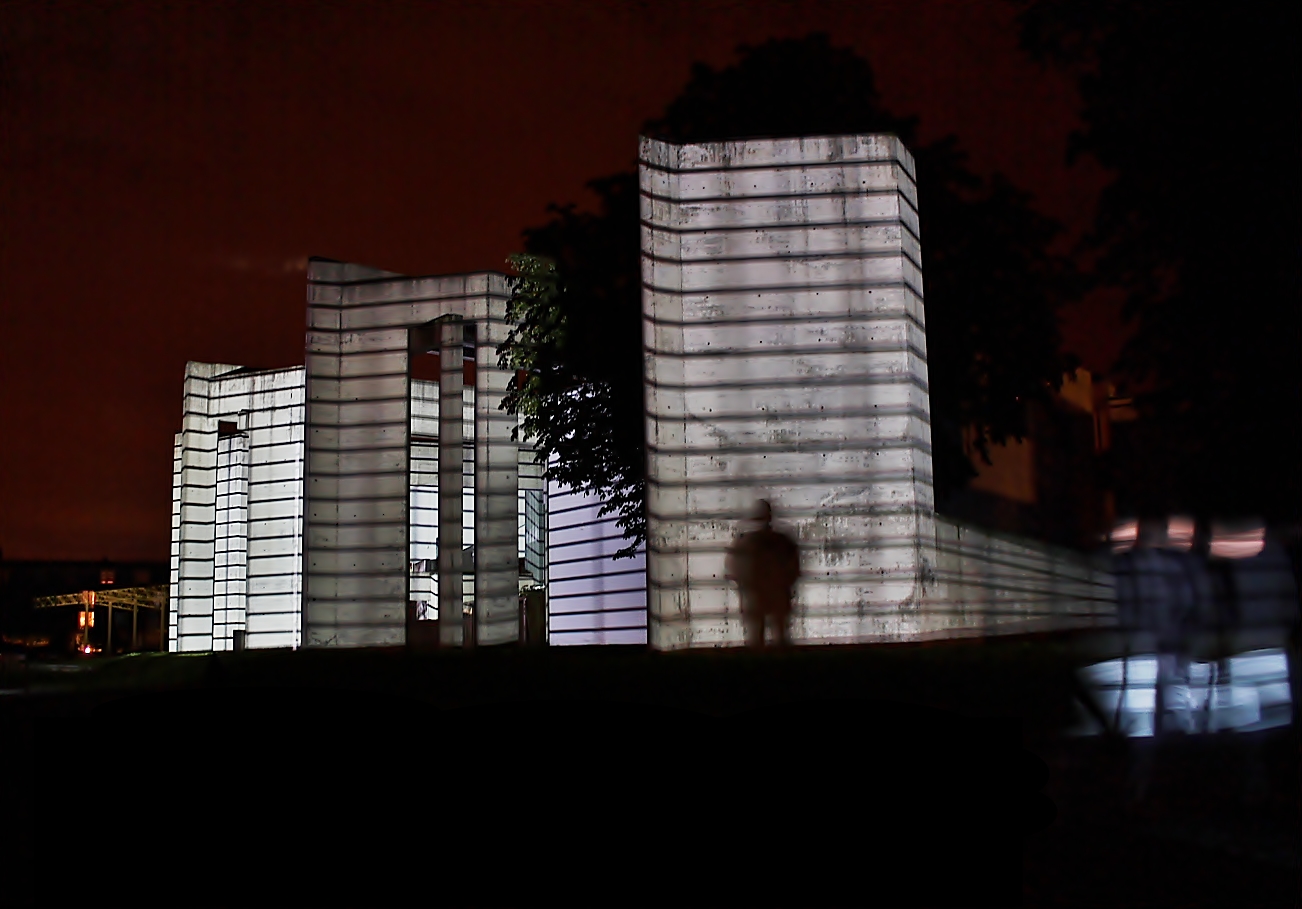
[{"x": 930, "y": 775}]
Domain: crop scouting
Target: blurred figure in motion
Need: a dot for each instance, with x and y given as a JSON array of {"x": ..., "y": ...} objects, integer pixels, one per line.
[
  {"x": 1256, "y": 616},
  {"x": 1256, "y": 584},
  {"x": 1156, "y": 610},
  {"x": 765, "y": 563}
]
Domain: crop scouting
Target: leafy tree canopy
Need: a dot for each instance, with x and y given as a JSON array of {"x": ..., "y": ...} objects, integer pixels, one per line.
[
  {"x": 1195, "y": 110},
  {"x": 992, "y": 286}
]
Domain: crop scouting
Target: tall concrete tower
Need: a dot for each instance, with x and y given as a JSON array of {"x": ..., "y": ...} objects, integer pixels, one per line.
[{"x": 786, "y": 360}]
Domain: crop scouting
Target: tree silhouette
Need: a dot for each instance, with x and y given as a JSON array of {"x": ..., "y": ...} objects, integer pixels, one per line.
[
  {"x": 1194, "y": 108},
  {"x": 992, "y": 287}
]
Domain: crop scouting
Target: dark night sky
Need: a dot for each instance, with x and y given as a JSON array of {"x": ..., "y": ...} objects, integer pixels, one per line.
[{"x": 167, "y": 169}]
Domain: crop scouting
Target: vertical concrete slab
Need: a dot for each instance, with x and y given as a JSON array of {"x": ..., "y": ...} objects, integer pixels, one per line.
[
  {"x": 197, "y": 507},
  {"x": 256, "y": 530},
  {"x": 275, "y": 417},
  {"x": 356, "y": 485},
  {"x": 451, "y": 565},
  {"x": 496, "y": 483},
  {"x": 231, "y": 540},
  {"x": 174, "y": 573},
  {"x": 786, "y": 360}
]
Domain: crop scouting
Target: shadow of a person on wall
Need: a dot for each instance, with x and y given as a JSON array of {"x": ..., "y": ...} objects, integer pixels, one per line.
[{"x": 765, "y": 563}]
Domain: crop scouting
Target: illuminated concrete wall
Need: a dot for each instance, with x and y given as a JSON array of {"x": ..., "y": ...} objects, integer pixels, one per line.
[
  {"x": 983, "y": 582},
  {"x": 592, "y": 598},
  {"x": 359, "y": 342},
  {"x": 174, "y": 575},
  {"x": 238, "y": 509},
  {"x": 231, "y": 539},
  {"x": 786, "y": 360},
  {"x": 248, "y": 549}
]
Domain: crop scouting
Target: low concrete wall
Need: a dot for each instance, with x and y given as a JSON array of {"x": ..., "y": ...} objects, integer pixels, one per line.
[{"x": 978, "y": 581}]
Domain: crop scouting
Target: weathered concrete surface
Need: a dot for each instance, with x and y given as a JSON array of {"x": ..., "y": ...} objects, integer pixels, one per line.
[
  {"x": 787, "y": 360},
  {"x": 358, "y": 442}
]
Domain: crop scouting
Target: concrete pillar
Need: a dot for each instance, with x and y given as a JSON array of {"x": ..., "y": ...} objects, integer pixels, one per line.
[
  {"x": 451, "y": 481},
  {"x": 195, "y": 501},
  {"x": 497, "y": 485},
  {"x": 787, "y": 360}
]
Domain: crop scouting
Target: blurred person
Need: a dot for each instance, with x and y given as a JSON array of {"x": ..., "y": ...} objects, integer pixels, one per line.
[
  {"x": 1155, "y": 608},
  {"x": 1259, "y": 580},
  {"x": 1258, "y": 606},
  {"x": 765, "y": 564},
  {"x": 1209, "y": 634},
  {"x": 1255, "y": 595}
]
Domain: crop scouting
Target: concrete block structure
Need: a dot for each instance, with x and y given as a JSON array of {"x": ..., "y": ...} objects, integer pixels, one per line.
[
  {"x": 237, "y": 509},
  {"x": 364, "y": 326},
  {"x": 307, "y": 501},
  {"x": 786, "y": 359}
]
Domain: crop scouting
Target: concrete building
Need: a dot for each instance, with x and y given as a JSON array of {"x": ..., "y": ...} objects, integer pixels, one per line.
[
  {"x": 297, "y": 491},
  {"x": 785, "y": 359}
]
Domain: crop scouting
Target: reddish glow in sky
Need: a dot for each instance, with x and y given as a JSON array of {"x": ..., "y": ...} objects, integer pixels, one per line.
[{"x": 167, "y": 169}]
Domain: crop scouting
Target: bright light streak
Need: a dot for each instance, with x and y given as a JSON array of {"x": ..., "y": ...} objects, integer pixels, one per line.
[
  {"x": 1244, "y": 544},
  {"x": 1124, "y": 536},
  {"x": 1180, "y": 533}
]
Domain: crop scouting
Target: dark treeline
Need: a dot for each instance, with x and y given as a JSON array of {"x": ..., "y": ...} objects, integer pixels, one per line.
[
  {"x": 1194, "y": 111},
  {"x": 992, "y": 285}
]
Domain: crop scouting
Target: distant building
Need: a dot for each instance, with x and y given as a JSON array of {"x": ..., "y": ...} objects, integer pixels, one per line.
[
  {"x": 1053, "y": 485},
  {"x": 22, "y": 583}
]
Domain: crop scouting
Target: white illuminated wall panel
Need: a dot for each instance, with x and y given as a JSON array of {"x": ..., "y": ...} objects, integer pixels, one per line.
[
  {"x": 239, "y": 562},
  {"x": 531, "y": 529},
  {"x": 174, "y": 574},
  {"x": 250, "y": 554},
  {"x": 592, "y": 598},
  {"x": 196, "y": 509},
  {"x": 424, "y": 508},
  {"x": 231, "y": 539}
]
